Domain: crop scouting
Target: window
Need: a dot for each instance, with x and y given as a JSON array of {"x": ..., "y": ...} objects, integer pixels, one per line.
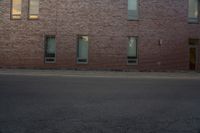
[
  {"x": 82, "y": 50},
  {"x": 50, "y": 49},
  {"x": 193, "y": 42},
  {"x": 193, "y": 11},
  {"x": 132, "y": 51},
  {"x": 16, "y": 9},
  {"x": 132, "y": 9},
  {"x": 33, "y": 9}
]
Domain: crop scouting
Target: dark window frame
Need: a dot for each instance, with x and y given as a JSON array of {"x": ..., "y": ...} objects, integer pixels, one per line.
[
  {"x": 11, "y": 11},
  {"x": 47, "y": 59},
  {"x": 138, "y": 12},
  {"x": 198, "y": 17},
  {"x": 194, "y": 43},
  {"x": 29, "y": 14},
  {"x": 77, "y": 49},
  {"x": 131, "y": 60}
]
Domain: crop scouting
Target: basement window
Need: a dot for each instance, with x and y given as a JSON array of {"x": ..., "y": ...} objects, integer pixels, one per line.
[
  {"x": 132, "y": 56},
  {"x": 82, "y": 50},
  {"x": 193, "y": 11},
  {"x": 16, "y": 11},
  {"x": 50, "y": 49},
  {"x": 33, "y": 9},
  {"x": 132, "y": 9}
]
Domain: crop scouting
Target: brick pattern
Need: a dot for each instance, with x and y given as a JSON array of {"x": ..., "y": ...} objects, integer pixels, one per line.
[{"x": 106, "y": 24}]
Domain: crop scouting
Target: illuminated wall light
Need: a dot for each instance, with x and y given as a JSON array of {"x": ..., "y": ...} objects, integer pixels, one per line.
[{"x": 160, "y": 42}]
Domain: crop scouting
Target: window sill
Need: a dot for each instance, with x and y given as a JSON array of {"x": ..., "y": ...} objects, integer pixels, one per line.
[
  {"x": 33, "y": 19},
  {"x": 50, "y": 63},
  {"x": 132, "y": 62},
  {"x": 82, "y": 63},
  {"x": 50, "y": 60},
  {"x": 133, "y": 20},
  {"x": 15, "y": 19},
  {"x": 193, "y": 22}
]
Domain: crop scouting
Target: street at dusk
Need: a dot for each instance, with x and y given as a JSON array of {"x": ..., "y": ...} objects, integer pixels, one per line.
[{"x": 81, "y": 104}]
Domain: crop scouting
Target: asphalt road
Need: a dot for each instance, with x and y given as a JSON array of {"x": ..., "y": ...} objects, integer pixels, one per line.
[{"x": 53, "y": 104}]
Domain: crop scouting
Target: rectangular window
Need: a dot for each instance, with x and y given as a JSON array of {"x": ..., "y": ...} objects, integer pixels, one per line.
[
  {"x": 50, "y": 49},
  {"x": 132, "y": 51},
  {"x": 132, "y": 9},
  {"x": 193, "y": 42},
  {"x": 193, "y": 11},
  {"x": 33, "y": 9},
  {"x": 16, "y": 11},
  {"x": 82, "y": 50}
]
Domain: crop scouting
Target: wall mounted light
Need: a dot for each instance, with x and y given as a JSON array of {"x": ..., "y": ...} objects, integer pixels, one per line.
[{"x": 160, "y": 42}]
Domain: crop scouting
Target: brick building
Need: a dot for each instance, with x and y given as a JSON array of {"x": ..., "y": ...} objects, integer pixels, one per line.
[{"x": 100, "y": 34}]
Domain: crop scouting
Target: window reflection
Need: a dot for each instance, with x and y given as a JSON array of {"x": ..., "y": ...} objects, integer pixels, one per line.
[
  {"x": 132, "y": 51},
  {"x": 33, "y": 9},
  {"x": 193, "y": 10},
  {"x": 16, "y": 9},
  {"x": 82, "y": 55},
  {"x": 132, "y": 9}
]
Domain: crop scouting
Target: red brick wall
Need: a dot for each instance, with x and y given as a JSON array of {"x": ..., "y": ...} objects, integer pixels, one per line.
[{"x": 106, "y": 24}]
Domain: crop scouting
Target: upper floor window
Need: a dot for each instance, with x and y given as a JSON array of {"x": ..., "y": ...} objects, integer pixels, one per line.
[
  {"x": 33, "y": 9},
  {"x": 132, "y": 9},
  {"x": 193, "y": 11},
  {"x": 16, "y": 11}
]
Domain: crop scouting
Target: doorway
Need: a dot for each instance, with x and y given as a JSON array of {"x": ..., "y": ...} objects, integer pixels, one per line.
[
  {"x": 193, "y": 53},
  {"x": 193, "y": 58}
]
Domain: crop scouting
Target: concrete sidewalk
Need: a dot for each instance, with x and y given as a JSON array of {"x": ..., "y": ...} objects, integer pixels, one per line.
[{"x": 99, "y": 74}]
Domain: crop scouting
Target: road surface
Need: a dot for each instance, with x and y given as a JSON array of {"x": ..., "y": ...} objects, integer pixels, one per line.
[{"x": 73, "y": 104}]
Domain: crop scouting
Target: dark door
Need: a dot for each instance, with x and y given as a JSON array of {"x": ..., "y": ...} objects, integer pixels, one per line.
[{"x": 192, "y": 58}]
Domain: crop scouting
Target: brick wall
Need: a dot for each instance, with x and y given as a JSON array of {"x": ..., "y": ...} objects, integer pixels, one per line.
[{"x": 106, "y": 24}]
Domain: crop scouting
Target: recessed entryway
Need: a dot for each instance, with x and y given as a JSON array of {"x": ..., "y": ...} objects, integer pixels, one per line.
[
  {"x": 193, "y": 58},
  {"x": 193, "y": 45}
]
